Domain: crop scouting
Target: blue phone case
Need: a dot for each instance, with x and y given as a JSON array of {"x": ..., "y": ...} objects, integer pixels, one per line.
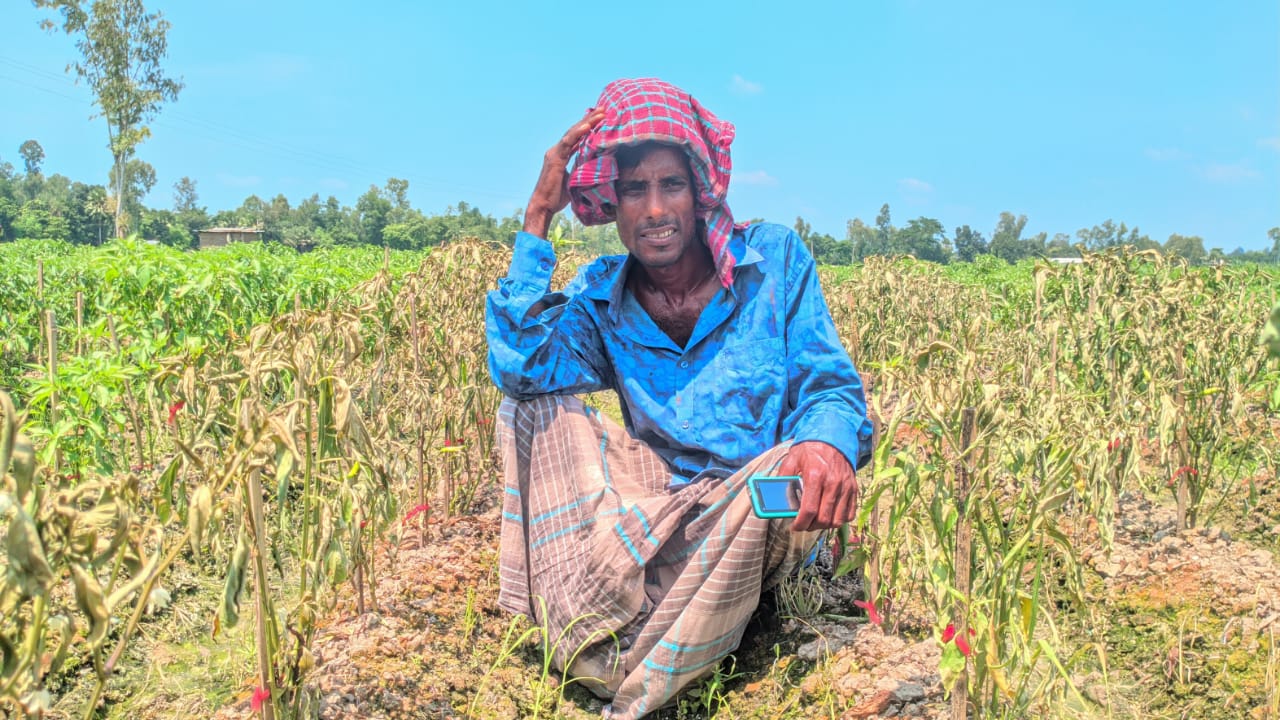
[{"x": 765, "y": 501}]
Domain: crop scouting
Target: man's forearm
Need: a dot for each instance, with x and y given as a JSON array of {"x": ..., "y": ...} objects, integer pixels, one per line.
[{"x": 537, "y": 221}]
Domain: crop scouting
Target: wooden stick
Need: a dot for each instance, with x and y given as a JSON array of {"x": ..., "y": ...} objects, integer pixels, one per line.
[
  {"x": 413, "y": 333},
  {"x": 964, "y": 542},
  {"x": 79, "y": 322},
  {"x": 262, "y": 589},
  {"x": 51, "y": 322}
]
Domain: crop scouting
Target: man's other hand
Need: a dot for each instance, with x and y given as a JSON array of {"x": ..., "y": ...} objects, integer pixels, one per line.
[
  {"x": 551, "y": 194},
  {"x": 830, "y": 496}
]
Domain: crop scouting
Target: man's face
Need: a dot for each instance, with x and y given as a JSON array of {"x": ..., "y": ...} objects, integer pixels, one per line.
[{"x": 655, "y": 208}]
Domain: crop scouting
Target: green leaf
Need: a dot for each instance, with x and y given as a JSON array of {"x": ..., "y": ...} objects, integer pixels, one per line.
[{"x": 951, "y": 665}]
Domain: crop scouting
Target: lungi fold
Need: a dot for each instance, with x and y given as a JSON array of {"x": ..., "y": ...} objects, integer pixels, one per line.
[{"x": 641, "y": 589}]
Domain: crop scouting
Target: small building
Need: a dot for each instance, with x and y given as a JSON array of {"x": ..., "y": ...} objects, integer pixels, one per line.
[{"x": 217, "y": 237}]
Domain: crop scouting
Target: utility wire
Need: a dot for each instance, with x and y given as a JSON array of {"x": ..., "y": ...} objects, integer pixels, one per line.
[{"x": 236, "y": 137}]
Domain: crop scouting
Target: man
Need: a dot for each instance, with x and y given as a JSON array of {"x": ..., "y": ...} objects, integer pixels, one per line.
[{"x": 638, "y": 549}]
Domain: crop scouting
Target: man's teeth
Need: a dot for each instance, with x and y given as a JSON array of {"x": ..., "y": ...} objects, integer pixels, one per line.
[{"x": 660, "y": 235}]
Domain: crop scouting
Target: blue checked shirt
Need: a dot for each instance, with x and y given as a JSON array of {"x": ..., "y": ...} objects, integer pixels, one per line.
[{"x": 764, "y": 363}]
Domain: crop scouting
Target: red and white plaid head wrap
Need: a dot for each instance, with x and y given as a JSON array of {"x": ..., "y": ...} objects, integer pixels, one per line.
[{"x": 650, "y": 109}]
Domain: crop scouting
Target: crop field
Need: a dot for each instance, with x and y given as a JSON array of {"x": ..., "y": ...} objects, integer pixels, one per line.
[{"x": 251, "y": 482}]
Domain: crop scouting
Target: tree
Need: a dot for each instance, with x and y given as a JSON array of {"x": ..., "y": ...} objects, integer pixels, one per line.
[
  {"x": 1274, "y": 234},
  {"x": 139, "y": 178},
  {"x": 185, "y": 197},
  {"x": 1006, "y": 241},
  {"x": 36, "y": 220},
  {"x": 121, "y": 46},
  {"x": 1109, "y": 235},
  {"x": 884, "y": 233},
  {"x": 372, "y": 209},
  {"x": 1190, "y": 247},
  {"x": 860, "y": 237},
  {"x": 1060, "y": 247},
  {"x": 32, "y": 155},
  {"x": 924, "y": 238},
  {"x": 969, "y": 244}
]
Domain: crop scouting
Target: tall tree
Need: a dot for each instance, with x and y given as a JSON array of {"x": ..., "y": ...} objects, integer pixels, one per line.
[
  {"x": 1006, "y": 241},
  {"x": 121, "y": 46},
  {"x": 884, "y": 232},
  {"x": 185, "y": 197},
  {"x": 861, "y": 238},
  {"x": 32, "y": 155},
  {"x": 1274, "y": 234},
  {"x": 969, "y": 244},
  {"x": 139, "y": 178},
  {"x": 924, "y": 238}
]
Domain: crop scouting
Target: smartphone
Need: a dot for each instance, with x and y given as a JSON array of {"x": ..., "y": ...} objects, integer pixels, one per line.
[{"x": 775, "y": 496}]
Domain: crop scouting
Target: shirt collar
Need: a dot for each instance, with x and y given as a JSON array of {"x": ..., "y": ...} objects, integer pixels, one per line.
[{"x": 609, "y": 281}]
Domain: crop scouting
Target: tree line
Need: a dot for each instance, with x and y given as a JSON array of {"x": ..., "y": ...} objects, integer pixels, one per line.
[
  {"x": 33, "y": 205},
  {"x": 926, "y": 238},
  {"x": 121, "y": 45}
]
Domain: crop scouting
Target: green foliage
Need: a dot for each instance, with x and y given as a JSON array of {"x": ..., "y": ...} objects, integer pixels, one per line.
[{"x": 121, "y": 46}]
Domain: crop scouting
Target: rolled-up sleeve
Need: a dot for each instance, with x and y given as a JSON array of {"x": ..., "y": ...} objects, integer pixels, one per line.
[
  {"x": 555, "y": 350},
  {"x": 825, "y": 398}
]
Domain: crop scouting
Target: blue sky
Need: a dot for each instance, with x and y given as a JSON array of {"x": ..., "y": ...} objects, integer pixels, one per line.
[{"x": 1163, "y": 115}]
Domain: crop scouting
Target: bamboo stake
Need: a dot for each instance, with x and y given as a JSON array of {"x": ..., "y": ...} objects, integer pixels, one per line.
[
  {"x": 422, "y": 486},
  {"x": 876, "y": 523},
  {"x": 964, "y": 541},
  {"x": 44, "y": 327},
  {"x": 260, "y": 574},
  {"x": 51, "y": 322},
  {"x": 413, "y": 332},
  {"x": 79, "y": 322}
]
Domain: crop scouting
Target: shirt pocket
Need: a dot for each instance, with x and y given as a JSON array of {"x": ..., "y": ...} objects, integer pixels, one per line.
[{"x": 749, "y": 384}]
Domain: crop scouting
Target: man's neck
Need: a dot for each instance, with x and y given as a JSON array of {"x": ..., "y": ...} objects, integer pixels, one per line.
[{"x": 676, "y": 282}]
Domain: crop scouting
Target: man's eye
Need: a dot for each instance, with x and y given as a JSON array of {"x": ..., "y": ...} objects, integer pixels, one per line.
[
  {"x": 674, "y": 185},
  {"x": 631, "y": 191}
]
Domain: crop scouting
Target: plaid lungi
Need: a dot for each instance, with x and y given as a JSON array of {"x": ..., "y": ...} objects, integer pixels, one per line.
[{"x": 641, "y": 589}]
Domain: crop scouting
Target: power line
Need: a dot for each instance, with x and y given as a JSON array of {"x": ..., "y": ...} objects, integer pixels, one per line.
[{"x": 236, "y": 137}]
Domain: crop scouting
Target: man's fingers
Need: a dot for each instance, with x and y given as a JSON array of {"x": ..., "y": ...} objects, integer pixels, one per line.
[
  {"x": 832, "y": 502},
  {"x": 575, "y": 133},
  {"x": 810, "y": 504}
]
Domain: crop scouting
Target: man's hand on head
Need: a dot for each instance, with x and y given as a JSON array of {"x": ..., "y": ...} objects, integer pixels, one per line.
[
  {"x": 551, "y": 194},
  {"x": 830, "y": 496}
]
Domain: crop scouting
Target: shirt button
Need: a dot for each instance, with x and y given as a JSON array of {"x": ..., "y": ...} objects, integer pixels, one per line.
[
  {"x": 545, "y": 264},
  {"x": 684, "y": 363},
  {"x": 685, "y": 424}
]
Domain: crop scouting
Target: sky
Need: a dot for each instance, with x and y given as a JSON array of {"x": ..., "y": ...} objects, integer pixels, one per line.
[{"x": 1162, "y": 115}]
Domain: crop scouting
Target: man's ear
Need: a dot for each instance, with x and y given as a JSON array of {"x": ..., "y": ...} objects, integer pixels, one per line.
[{"x": 609, "y": 211}]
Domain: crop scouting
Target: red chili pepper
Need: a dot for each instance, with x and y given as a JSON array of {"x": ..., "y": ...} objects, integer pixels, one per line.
[
  {"x": 415, "y": 511},
  {"x": 260, "y": 695},
  {"x": 872, "y": 614}
]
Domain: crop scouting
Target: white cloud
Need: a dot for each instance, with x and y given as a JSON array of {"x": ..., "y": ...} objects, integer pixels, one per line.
[
  {"x": 743, "y": 86},
  {"x": 1270, "y": 142},
  {"x": 1230, "y": 172},
  {"x": 1166, "y": 154},
  {"x": 914, "y": 186},
  {"x": 755, "y": 177}
]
